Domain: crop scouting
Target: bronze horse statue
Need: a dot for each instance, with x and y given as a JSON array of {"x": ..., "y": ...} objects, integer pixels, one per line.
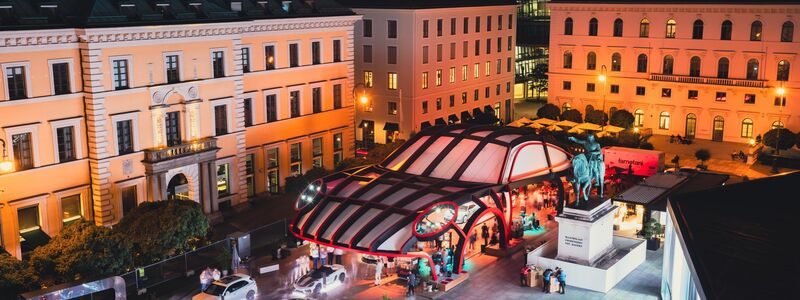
[{"x": 584, "y": 171}]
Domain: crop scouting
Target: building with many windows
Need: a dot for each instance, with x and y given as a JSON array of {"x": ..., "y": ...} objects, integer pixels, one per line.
[
  {"x": 710, "y": 70},
  {"x": 107, "y": 104},
  {"x": 421, "y": 63},
  {"x": 533, "y": 36}
]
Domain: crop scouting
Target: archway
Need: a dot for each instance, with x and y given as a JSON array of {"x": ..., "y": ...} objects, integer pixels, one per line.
[
  {"x": 691, "y": 126},
  {"x": 178, "y": 188},
  {"x": 719, "y": 128}
]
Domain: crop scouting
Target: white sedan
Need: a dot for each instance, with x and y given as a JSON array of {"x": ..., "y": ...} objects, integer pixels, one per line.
[
  {"x": 321, "y": 279},
  {"x": 236, "y": 286}
]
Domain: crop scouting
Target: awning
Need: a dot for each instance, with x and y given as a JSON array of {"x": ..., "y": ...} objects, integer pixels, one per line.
[
  {"x": 364, "y": 123},
  {"x": 32, "y": 239},
  {"x": 452, "y": 119},
  {"x": 465, "y": 116},
  {"x": 440, "y": 121},
  {"x": 425, "y": 124},
  {"x": 487, "y": 109},
  {"x": 388, "y": 126},
  {"x": 476, "y": 112}
]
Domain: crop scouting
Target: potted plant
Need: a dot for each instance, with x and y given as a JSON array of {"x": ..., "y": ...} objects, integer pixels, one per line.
[{"x": 650, "y": 231}]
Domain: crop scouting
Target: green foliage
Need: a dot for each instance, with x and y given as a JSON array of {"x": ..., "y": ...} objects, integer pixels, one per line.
[
  {"x": 608, "y": 141},
  {"x": 549, "y": 110},
  {"x": 15, "y": 276},
  {"x": 295, "y": 184},
  {"x": 703, "y": 155},
  {"x": 596, "y": 117},
  {"x": 622, "y": 118},
  {"x": 787, "y": 138},
  {"x": 82, "y": 251},
  {"x": 651, "y": 229},
  {"x": 572, "y": 115},
  {"x": 223, "y": 260},
  {"x": 158, "y": 230}
]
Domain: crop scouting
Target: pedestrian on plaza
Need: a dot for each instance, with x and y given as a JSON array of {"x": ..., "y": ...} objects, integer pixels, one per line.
[
  {"x": 304, "y": 265},
  {"x": 330, "y": 255},
  {"x": 562, "y": 280},
  {"x": 546, "y": 279},
  {"x": 485, "y": 234},
  {"x": 378, "y": 271},
  {"x": 215, "y": 274},
  {"x": 412, "y": 280},
  {"x": 315, "y": 255},
  {"x": 523, "y": 275},
  {"x": 671, "y": 138},
  {"x": 337, "y": 253},
  {"x": 205, "y": 279},
  {"x": 472, "y": 239}
]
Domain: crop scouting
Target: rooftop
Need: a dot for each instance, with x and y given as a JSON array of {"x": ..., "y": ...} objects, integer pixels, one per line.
[
  {"x": 679, "y": 1},
  {"x": 741, "y": 235},
  {"x": 422, "y": 4},
  {"x": 654, "y": 190}
]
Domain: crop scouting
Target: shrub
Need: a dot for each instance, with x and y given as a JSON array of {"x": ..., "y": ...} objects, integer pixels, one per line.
[
  {"x": 572, "y": 115},
  {"x": 703, "y": 155},
  {"x": 15, "y": 276},
  {"x": 549, "y": 110},
  {"x": 622, "y": 118},
  {"x": 596, "y": 117},
  {"x": 787, "y": 138}
]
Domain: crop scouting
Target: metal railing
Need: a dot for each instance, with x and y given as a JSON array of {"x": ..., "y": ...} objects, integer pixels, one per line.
[
  {"x": 708, "y": 80},
  {"x": 186, "y": 148}
]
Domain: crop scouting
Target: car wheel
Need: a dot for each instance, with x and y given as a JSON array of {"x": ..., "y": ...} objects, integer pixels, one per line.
[
  {"x": 341, "y": 278},
  {"x": 317, "y": 288},
  {"x": 251, "y": 295}
]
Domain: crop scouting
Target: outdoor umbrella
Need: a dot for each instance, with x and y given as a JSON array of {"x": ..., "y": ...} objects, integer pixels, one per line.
[
  {"x": 588, "y": 126},
  {"x": 521, "y": 122},
  {"x": 566, "y": 123},
  {"x": 544, "y": 121},
  {"x": 613, "y": 129},
  {"x": 576, "y": 130}
]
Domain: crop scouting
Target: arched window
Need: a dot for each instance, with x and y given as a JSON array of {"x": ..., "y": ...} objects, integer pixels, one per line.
[
  {"x": 644, "y": 28},
  {"x": 616, "y": 62},
  {"x": 591, "y": 61},
  {"x": 777, "y": 124},
  {"x": 722, "y": 67},
  {"x": 668, "y": 63},
  {"x": 783, "y": 70},
  {"x": 694, "y": 66},
  {"x": 671, "y": 29},
  {"x": 691, "y": 125},
  {"x": 752, "y": 69},
  {"x": 755, "y": 31},
  {"x": 638, "y": 118},
  {"x": 618, "y": 27},
  {"x": 593, "y": 27},
  {"x": 567, "y": 60},
  {"x": 663, "y": 120},
  {"x": 697, "y": 30},
  {"x": 641, "y": 63},
  {"x": 787, "y": 31},
  {"x": 565, "y": 107},
  {"x": 588, "y": 109},
  {"x": 568, "y": 26},
  {"x": 727, "y": 28},
  {"x": 747, "y": 128}
]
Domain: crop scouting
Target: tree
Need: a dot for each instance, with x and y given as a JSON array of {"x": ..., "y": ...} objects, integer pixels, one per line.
[
  {"x": 549, "y": 110},
  {"x": 703, "y": 155},
  {"x": 622, "y": 118},
  {"x": 572, "y": 115},
  {"x": 787, "y": 138},
  {"x": 296, "y": 183},
  {"x": 15, "y": 276},
  {"x": 596, "y": 117},
  {"x": 82, "y": 251},
  {"x": 158, "y": 230},
  {"x": 540, "y": 79}
]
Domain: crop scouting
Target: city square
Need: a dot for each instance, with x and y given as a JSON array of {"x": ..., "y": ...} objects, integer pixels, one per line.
[{"x": 398, "y": 149}]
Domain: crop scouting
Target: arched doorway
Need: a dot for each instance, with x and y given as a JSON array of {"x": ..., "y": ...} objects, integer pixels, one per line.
[
  {"x": 691, "y": 126},
  {"x": 178, "y": 188},
  {"x": 719, "y": 128}
]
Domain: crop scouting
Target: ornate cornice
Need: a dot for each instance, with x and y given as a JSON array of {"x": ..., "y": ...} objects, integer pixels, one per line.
[
  {"x": 17, "y": 39},
  {"x": 644, "y": 8}
]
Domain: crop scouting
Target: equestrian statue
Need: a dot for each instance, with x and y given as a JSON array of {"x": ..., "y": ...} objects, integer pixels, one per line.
[{"x": 586, "y": 167}]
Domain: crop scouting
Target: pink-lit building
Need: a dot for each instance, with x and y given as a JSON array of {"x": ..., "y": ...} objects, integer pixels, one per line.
[
  {"x": 702, "y": 69},
  {"x": 151, "y": 100},
  {"x": 423, "y": 63}
]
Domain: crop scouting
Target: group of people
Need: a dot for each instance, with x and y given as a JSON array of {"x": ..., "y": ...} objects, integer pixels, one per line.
[
  {"x": 740, "y": 155},
  {"x": 322, "y": 255},
  {"x": 679, "y": 139},
  {"x": 547, "y": 276},
  {"x": 443, "y": 260},
  {"x": 489, "y": 237},
  {"x": 207, "y": 276}
]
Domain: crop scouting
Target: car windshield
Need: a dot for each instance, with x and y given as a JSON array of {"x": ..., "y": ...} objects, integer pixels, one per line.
[
  {"x": 215, "y": 290},
  {"x": 321, "y": 272}
]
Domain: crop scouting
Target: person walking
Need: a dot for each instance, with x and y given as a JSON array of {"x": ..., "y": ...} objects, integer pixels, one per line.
[
  {"x": 205, "y": 279},
  {"x": 546, "y": 279},
  {"x": 337, "y": 253},
  {"x": 378, "y": 271},
  {"x": 330, "y": 255},
  {"x": 215, "y": 274},
  {"x": 485, "y": 234},
  {"x": 562, "y": 280},
  {"x": 523, "y": 275},
  {"x": 472, "y": 239},
  {"x": 412, "y": 280},
  {"x": 315, "y": 255}
]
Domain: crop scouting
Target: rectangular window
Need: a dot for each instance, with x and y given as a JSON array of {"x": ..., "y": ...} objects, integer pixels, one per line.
[
  {"x": 367, "y": 28},
  {"x": 439, "y": 26},
  {"x": 294, "y": 55},
  {"x": 452, "y": 100},
  {"x": 465, "y": 49},
  {"x": 475, "y": 95},
  {"x": 218, "y": 63},
  {"x": 466, "y": 25},
  {"x": 439, "y": 77},
  {"x": 488, "y": 46},
  {"x": 296, "y": 157},
  {"x": 28, "y": 219},
  {"x": 221, "y": 119},
  {"x": 71, "y": 209},
  {"x": 452, "y": 26},
  {"x": 392, "y": 81},
  {"x": 464, "y": 72},
  {"x": 590, "y": 87},
  {"x": 173, "y": 69},
  {"x": 508, "y": 87},
  {"x": 615, "y": 89},
  {"x": 477, "y": 24},
  {"x": 425, "y": 28},
  {"x": 247, "y": 103},
  {"x": 172, "y": 126},
  {"x": 223, "y": 180},
  {"x": 316, "y": 99},
  {"x": 368, "y": 53},
  {"x": 15, "y": 82},
  {"x": 273, "y": 180},
  {"x": 66, "y": 143},
  {"x": 337, "y": 96},
  {"x": 272, "y": 108},
  {"x": 640, "y": 90},
  {"x": 508, "y": 65},
  {"x": 316, "y": 53},
  {"x": 486, "y": 92},
  {"x": 129, "y": 201},
  {"x": 294, "y": 103},
  {"x": 316, "y": 151},
  {"x": 721, "y": 97},
  {"x": 509, "y": 42},
  {"x": 392, "y": 29},
  {"x": 439, "y": 52},
  {"x": 392, "y": 108},
  {"x": 463, "y": 97},
  {"x": 124, "y": 137},
  {"x": 476, "y": 70},
  {"x": 488, "y": 69},
  {"x": 567, "y": 85},
  {"x": 488, "y": 23},
  {"x": 337, "y": 50},
  {"x": 368, "y": 79},
  {"x": 693, "y": 94},
  {"x": 424, "y": 54},
  {"x": 269, "y": 56},
  {"x": 499, "y": 44},
  {"x": 477, "y": 47},
  {"x": 249, "y": 170},
  {"x": 666, "y": 92},
  {"x": 510, "y": 21},
  {"x": 498, "y": 66},
  {"x": 500, "y": 22},
  {"x": 61, "y": 79},
  {"x": 438, "y": 103},
  {"x": 245, "y": 60},
  {"x": 452, "y": 74},
  {"x": 750, "y": 98},
  {"x": 391, "y": 53},
  {"x": 337, "y": 149},
  {"x": 497, "y": 90},
  {"x": 452, "y": 51},
  {"x": 120, "y": 74},
  {"x": 424, "y": 80},
  {"x": 424, "y": 107}
]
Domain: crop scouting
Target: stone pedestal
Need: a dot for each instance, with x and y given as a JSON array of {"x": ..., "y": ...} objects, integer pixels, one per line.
[{"x": 585, "y": 233}]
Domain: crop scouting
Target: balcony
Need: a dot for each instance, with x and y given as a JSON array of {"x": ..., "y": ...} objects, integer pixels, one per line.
[
  {"x": 709, "y": 80},
  {"x": 185, "y": 149}
]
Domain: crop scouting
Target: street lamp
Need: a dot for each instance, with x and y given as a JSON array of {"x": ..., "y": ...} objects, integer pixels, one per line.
[
  {"x": 781, "y": 92},
  {"x": 6, "y": 165},
  {"x": 364, "y": 101},
  {"x": 602, "y": 78}
]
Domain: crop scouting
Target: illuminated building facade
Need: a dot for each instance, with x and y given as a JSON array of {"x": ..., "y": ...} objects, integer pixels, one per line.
[{"x": 533, "y": 35}]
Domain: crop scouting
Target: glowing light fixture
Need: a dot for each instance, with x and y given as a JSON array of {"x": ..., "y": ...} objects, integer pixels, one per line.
[{"x": 780, "y": 91}]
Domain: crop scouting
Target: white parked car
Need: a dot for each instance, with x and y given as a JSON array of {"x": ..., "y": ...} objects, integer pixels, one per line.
[
  {"x": 236, "y": 286},
  {"x": 318, "y": 280}
]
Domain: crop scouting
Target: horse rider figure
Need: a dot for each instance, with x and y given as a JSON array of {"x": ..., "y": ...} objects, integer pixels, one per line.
[{"x": 595, "y": 164}]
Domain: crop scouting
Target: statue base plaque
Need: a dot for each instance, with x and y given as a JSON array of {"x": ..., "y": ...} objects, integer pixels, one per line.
[{"x": 585, "y": 232}]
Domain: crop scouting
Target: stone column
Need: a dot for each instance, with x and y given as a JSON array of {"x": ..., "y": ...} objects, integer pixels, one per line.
[
  {"x": 212, "y": 185},
  {"x": 152, "y": 188},
  {"x": 162, "y": 180},
  {"x": 205, "y": 192}
]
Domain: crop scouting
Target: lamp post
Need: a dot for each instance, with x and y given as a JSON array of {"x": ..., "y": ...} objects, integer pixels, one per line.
[
  {"x": 6, "y": 165},
  {"x": 364, "y": 101},
  {"x": 781, "y": 92},
  {"x": 602, "y": 78}
]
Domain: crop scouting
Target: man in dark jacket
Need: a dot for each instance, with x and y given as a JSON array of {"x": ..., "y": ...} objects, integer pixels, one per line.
[
  {"x": 562, "y": 280},
  {"x": 412, "y": 278},
  {"x": 546, "y": 280},
  {"x": 485, "y": 234}
]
